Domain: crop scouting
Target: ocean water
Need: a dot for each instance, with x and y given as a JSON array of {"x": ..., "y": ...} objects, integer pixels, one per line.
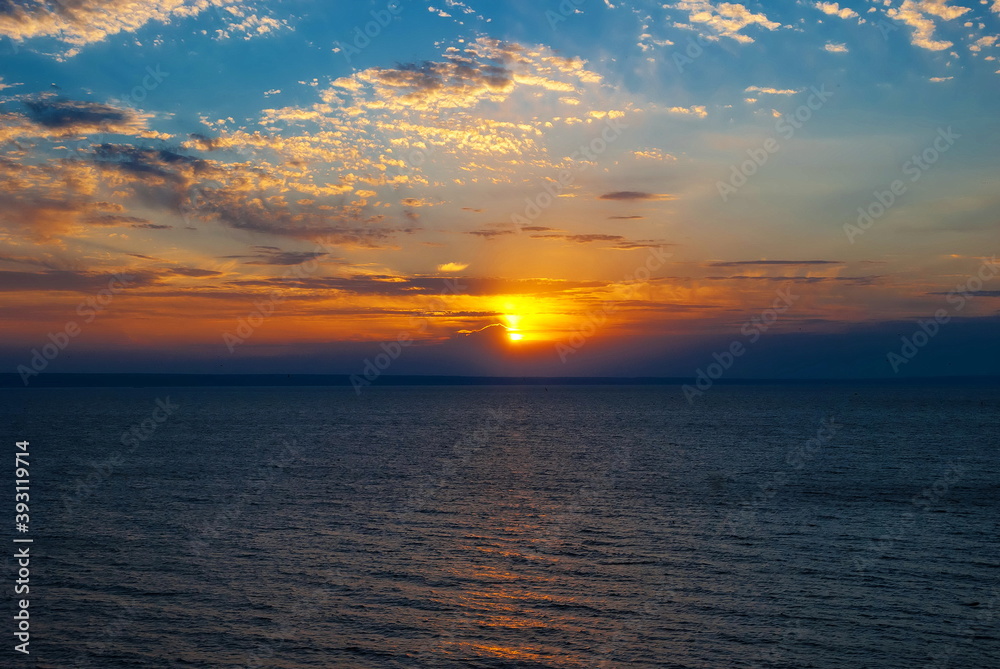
[{"x": 764, "y": 526}]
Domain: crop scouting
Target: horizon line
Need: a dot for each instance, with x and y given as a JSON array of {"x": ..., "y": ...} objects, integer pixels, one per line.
[{"x": 150, "y": 379}]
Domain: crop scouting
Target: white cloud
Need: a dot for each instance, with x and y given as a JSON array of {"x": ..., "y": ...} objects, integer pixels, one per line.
[
  {"x": 917, "y": 13},
  {"x": 697, "y": 111},
  {"x": 834, "y": 9},
  {"x": 84, "y": 22},
  {"x": 725, "y": 19},
  {"x": 833, "y": 47},
  {"x": 770, "y": 91}
]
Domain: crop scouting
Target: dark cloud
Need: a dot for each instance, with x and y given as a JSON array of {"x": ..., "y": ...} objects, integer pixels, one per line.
[
  {"x": 633, "y": 195},
  {"x": 582, "y": 239},
  {"x": 71, "y": 114},
  {"x": 972, "y": 293},
  {"x": 632, "y": 246},
  {"x": 194, "y": 272},
  {"x": 417, "y": 81},
  {"x": 790, "y": 263},
  {"x": 625, "y": 218},
  {"x": 161, "y": 163},
  {"x": 28, "y": 260},
  {"x": 617, "y": 241},
  {"x": 421, "y": 285},
  {"x": 271, "y": 255},
  {"x": 204, "y": 142},
  {"x": 857, "y": 280},
  {"x": 122, "y": 221},
  {"x": 69, "y": 281},
  {"x": 493, "y": 230},
  {"x": 237, "y": 196}
]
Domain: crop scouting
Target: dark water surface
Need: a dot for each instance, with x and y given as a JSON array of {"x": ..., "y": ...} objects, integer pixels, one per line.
[{"x": 512, "y": 527}]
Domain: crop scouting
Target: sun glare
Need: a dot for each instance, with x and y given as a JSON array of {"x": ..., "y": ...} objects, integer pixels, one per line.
[{"x": 514, "y": 336}]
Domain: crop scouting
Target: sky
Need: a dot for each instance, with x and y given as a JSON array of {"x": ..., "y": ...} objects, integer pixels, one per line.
[{"x": 577, "y": 188}]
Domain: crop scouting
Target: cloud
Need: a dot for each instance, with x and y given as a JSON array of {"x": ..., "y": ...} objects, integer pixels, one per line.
[
  {"x": 834, "y": 9},
  {"x": 271, "y": 255},
  {"x": 853, "y": 280},
  {"x": 985, "y": 41},
  {"x": 486, "y": 71},
  {"x": 452, "y": 267},
  {"x": 653, "y": 154},
  {"x": 764, "y": 263},
  {"x": 239, "y": 196},
  {"x": 381, "y": 125},
  {"x": 770, "y": 91},
  {"x": 493, "y": 230},
  {"x": 833, "y": 47},
  {"x": 972, "y": 293},
  {"x": 617, "y": 242},
  {"x": 406, "y": 286},
  {"x": 917, "y": 13},
  {"x": 416, "y": 202},
  {"x": 51, "y": 117},
  {"x": 70, "y": 281},
  {"x": 60, "y": 114},
  {"x": 625, "y": 218},
  {"x": 725, "y": 19},
  {"x": 634, "y": 195},
  {"x": 81, "y": 22},
  {"x": 194, "y": 272},
  {"x": 43, "y": 203},
  {"x": 697, "y": 111},
  {"x": 122, "y": 221}
]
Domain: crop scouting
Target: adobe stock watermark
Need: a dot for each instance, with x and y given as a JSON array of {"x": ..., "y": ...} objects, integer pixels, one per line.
[
  {"x": 14, "y": 48},
  {"x": 534, "y": 206},
  {"x": 391, "y": 350},
  {"x": 929, "y": 328},
  {"x": 943, "y": 656},
  {"x": 753, "y": 329},
  {"x": 927, "y": 499},
  {"x": 261, "y": 481},
  {"x": 796, "y": 458},
  {"x": 150, "y": 81},
  {"x": 263, "y": 309},
  {"x": 915, "y": 167},
  {"x": 785, "y": 127},
  {"x": 886, "y": 25},
  {"x": 566, "y": 9},
  {"x": 693, "y": 50},
  {"x": 132, "y": 438},
  {"x": 362, "y": 36},
  {"x": 89, "y": 309},
  {"x": 597, "y": 318}
]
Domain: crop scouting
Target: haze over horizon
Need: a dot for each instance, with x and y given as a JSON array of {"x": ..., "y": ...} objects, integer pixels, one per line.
[{"x": 576, "y": 188}]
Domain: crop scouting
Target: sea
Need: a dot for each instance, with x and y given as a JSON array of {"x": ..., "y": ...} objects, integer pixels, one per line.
[{"x": 786, "y": 526}]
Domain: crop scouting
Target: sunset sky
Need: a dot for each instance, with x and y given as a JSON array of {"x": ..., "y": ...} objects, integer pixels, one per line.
[{"x": 591, "y": 187}]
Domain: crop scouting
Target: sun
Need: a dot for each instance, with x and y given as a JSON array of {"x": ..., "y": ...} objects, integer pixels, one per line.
[{"x": 513, "y": 331}]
